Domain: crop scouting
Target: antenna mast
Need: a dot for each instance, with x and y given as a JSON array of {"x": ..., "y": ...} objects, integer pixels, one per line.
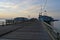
[
  {"x": 43, "y": 8},
  {"x": 40, "y": 13}
]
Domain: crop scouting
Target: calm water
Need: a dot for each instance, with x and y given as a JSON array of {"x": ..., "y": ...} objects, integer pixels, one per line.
[{"x": 57, "y": 25}]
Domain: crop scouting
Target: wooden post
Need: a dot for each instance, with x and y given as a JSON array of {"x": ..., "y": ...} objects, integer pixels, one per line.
[{"x": 57, "y": 36}]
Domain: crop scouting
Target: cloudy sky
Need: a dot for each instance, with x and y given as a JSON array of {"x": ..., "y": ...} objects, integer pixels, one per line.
[{"x": 24, "y": 8}]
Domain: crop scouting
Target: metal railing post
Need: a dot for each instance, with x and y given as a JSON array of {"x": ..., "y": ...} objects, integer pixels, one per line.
[{"x": 53, "y": 33}]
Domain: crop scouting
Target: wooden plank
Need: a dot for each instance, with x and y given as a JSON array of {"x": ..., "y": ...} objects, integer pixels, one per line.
[{"x": 30, "y": 31}]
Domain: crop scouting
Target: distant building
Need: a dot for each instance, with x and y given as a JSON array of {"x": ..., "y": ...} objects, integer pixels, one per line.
[
  {"x": 46, "y": 18},
  {"x": 33, "y": 20},
  {"x": 20, "y": 19}
]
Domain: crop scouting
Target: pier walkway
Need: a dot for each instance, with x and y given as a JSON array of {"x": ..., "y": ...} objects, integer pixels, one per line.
[{"x": 27, "y": 31}]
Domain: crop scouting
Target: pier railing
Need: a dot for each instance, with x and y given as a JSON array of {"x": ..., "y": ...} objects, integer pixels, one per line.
[{"x": 55, "y": 35}]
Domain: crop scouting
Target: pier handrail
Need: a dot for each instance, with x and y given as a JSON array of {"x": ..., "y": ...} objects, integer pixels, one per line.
[{"x": 54, "y": 34}]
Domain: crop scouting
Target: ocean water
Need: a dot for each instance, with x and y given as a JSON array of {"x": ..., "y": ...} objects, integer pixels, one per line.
[
  {"x": 57, "y": 26},
  {"x": 2, "y": 21}
]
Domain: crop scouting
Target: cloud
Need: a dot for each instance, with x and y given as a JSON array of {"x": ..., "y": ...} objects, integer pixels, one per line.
[
  {"x": 11, "y": 6},
  {"x": 34, "y": 8},
  {"x": 8, "y": 5},
  {"x": 23, "y": 8},
  {"x": 33, "y": 11}
]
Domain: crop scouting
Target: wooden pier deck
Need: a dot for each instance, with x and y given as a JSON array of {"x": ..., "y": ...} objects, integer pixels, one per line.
[{"x": 26, "y": 31}]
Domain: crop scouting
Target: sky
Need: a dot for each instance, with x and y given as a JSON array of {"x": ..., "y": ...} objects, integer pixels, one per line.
[{"x": 28, "y": 8}]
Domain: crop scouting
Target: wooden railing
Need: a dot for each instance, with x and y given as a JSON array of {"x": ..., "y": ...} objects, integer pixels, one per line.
[{"x": 54, "y": 34}]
